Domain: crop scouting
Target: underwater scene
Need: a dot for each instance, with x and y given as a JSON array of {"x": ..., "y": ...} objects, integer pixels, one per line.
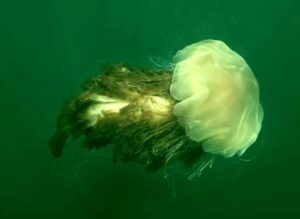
[{"x": 149, "y": 109}]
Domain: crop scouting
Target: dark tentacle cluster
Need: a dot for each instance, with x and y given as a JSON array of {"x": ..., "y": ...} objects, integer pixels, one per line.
[{"x": 132, "y": 131}]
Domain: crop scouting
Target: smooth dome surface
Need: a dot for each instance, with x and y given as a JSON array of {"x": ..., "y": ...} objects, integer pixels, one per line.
[{"x": 218, "y": 97}]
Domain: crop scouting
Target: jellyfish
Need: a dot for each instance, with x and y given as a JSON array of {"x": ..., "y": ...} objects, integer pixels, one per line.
[{"x": 207, "y": 103}]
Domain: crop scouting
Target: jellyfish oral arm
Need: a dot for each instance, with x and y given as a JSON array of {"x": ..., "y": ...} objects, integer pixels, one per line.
[{"x": 104, "y": 104}]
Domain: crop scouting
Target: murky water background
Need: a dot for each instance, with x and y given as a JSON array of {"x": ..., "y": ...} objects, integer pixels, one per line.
[{"x": 48, "y": 48}]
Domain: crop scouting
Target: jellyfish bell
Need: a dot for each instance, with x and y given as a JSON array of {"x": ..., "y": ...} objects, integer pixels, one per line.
[{"x": 218, "y": 98}]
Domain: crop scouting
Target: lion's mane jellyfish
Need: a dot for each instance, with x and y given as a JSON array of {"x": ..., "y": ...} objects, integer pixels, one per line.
[{"x": 207, "y": 104}]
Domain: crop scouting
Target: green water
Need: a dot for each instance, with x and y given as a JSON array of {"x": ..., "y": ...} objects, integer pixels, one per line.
[{"x": 48, "y": 48}]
